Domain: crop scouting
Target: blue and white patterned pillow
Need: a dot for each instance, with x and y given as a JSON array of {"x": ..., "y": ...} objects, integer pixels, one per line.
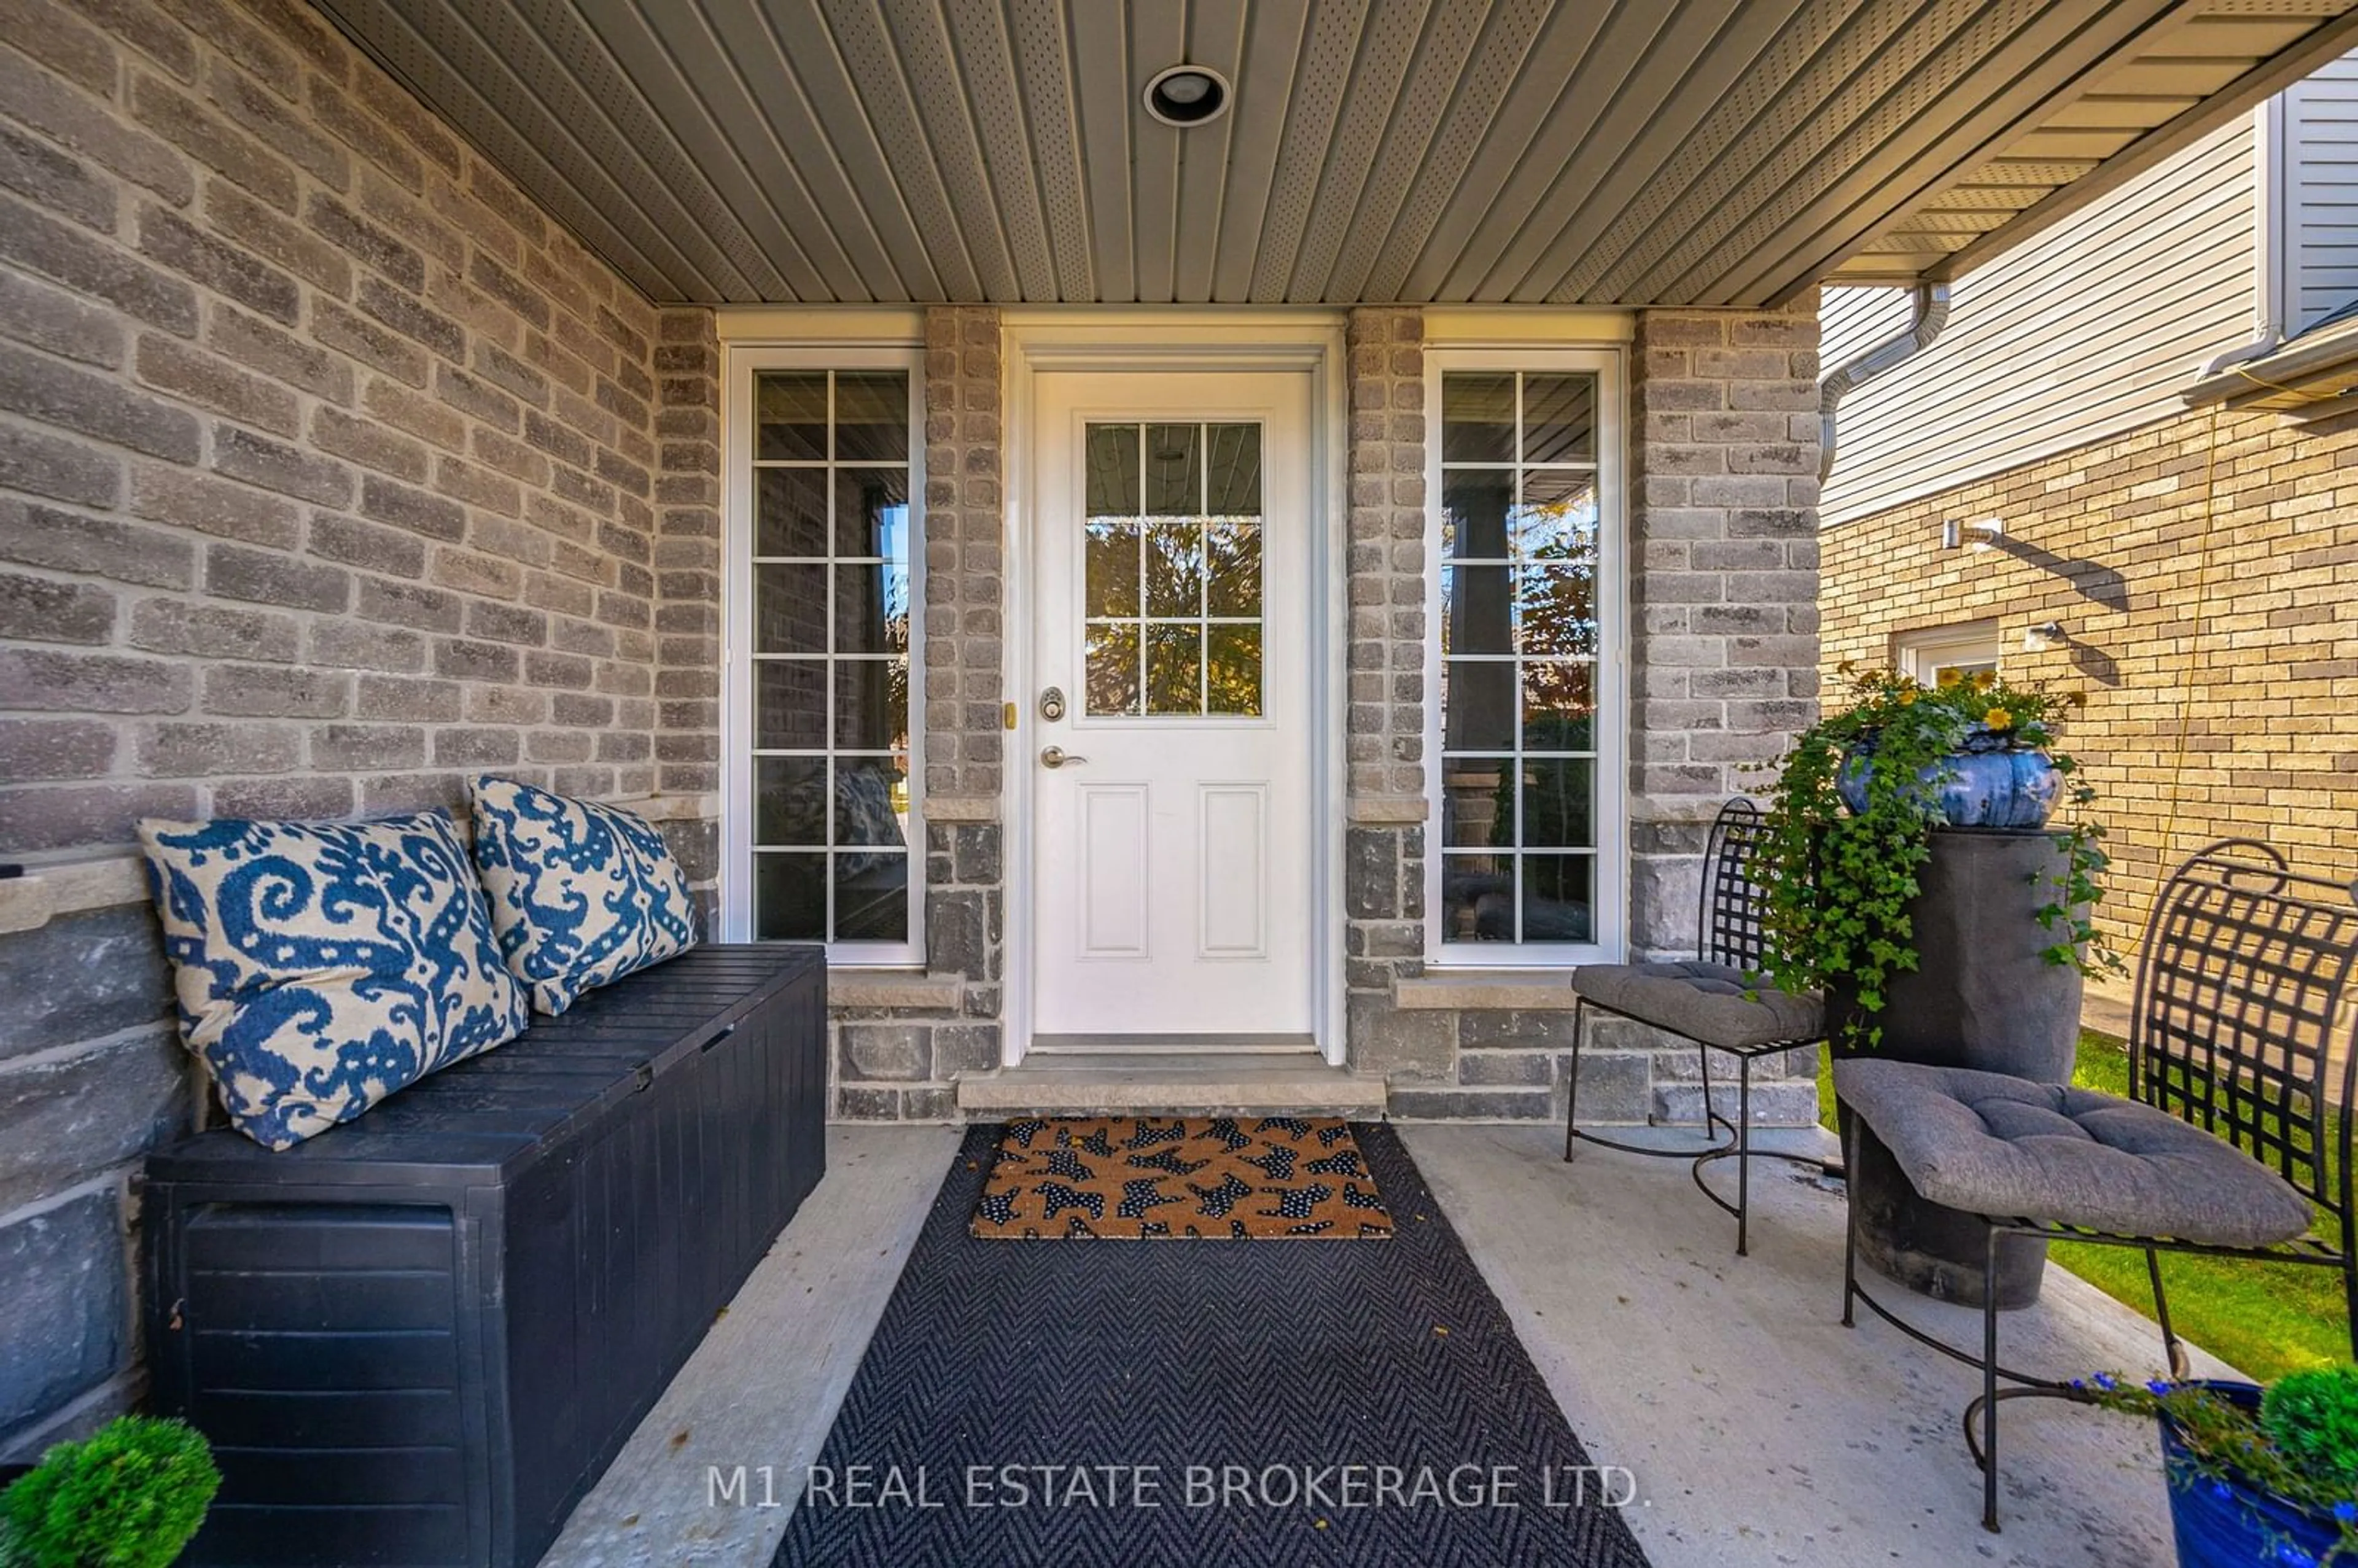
[
  {"x": 582, "y": 894},
  {"x": 322, "y": 966}
]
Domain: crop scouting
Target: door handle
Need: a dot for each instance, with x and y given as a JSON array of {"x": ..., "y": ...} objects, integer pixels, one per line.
[{"x": 1056, "y": 757}]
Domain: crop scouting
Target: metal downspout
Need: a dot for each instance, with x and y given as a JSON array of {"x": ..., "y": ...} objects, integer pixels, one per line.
[{"x": 1930, "y": 315}]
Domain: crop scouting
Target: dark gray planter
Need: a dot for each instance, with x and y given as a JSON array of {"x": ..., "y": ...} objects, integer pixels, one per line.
[{"x": 1984, "y": 996}]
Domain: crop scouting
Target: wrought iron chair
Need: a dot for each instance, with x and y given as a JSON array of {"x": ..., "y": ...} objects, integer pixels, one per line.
[
  {"x": 2226, "y": 1146},
  {"x": 1719, "y": 1002}
]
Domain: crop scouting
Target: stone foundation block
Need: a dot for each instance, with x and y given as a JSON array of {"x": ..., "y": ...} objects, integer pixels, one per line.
[
  {"x": 1486, "y": 1030},
  {"x": 71, "y": 1116},
  {"x": 1398, "y": 1043},
  {"x": 1472, "y": 1105},
  {"x": 64, "y": 1294},
  {"x": 1614, "y": 1087},
  {"x": 1777, "y": 1103},
  {"x": 1523, "y": 1069},
  {"x": 867, "y": 1052}
]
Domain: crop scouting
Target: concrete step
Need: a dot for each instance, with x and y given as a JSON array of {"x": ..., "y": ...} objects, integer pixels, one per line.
[{"x": 1171, "y": 1082}]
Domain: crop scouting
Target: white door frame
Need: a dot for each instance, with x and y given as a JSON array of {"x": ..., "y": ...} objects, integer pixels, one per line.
[{"x": 1304, "y": 341}]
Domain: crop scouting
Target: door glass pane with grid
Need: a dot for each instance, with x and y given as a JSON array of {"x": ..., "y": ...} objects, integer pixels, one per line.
[{"x": 1173, "y": 570}]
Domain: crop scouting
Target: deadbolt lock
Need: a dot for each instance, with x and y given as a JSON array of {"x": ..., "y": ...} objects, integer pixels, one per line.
[{"x": 1052, "y": 704}]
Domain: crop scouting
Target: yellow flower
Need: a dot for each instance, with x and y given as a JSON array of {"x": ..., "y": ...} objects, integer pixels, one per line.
[
  {"x": 1949, "y": 678},
  {"x": 1907, "y": 695},
  {"x": 1985, "y": 679},
  {"x": 1998, "y": 719}
]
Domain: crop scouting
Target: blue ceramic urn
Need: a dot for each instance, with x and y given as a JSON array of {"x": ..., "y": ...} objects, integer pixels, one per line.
[{"x": 1972, "y": 789}]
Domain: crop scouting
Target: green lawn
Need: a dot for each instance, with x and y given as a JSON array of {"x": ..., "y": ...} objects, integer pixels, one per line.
[{"x": 2267, "y": 1318}]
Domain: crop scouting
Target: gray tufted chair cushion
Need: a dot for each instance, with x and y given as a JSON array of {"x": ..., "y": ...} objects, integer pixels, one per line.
[
  {"x": 2002, "y": 1146},
  {"x": 1711, "y": 1002}
]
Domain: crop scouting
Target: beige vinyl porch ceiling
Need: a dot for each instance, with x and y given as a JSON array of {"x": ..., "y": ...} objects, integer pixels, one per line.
[{"x": 1714, "y": 152}]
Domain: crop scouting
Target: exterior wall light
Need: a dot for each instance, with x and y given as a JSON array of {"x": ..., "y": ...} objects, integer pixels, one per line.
[
  {"x": 1185, "y": 96},
  {"x": 2045, "y": 637},
  {"x": 1981, "y": 535}
]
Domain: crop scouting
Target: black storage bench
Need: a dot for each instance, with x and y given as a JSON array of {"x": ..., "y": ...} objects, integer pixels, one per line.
[{"x": 420, "y": 1337}]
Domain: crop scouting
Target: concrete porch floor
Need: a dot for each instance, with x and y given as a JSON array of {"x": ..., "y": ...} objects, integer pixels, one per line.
[{"x": 1761, "y": 1431}]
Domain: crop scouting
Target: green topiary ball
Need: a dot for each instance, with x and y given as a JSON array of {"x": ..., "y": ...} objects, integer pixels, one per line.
[
  {"x": 129, "y": 1498},
  {"x": 2312, "y": 1417}
]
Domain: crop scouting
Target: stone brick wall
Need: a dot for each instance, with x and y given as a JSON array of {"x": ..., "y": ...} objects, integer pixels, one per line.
[
  {"x": 687, "y": 565},
  {"x": 331, "y": 470},
  {"x": 1724, "y": 655},
  {"x": 899, "y": 1050},
  {"x": 1387, "y": 542},
  {"x": 1724, "y": 669},
  {"x": 1383, "y": 898},
  {"x": 2218, "y": 675},
  {"x": 331, "y": 461},
  {"x": 965, "y": 564}
]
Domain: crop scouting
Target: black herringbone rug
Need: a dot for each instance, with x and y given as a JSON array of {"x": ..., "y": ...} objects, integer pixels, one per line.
[{"x": 1256, "y": 1366}]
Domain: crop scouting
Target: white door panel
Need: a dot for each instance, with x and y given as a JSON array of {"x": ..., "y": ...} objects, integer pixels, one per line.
[{"x": 1173, "y": 842}]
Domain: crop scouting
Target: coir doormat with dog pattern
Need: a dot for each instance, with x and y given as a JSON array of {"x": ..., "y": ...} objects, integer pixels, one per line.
[{"x": 1214, "y": 1178}]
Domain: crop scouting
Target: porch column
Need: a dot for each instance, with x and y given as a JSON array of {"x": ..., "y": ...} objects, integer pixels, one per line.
[
  {"x": 899, "y": 1050},
  {"x": 1384, "y": 857},
  {"x": 1724, "y": 582},
  {"x": 687, "y": 585}
]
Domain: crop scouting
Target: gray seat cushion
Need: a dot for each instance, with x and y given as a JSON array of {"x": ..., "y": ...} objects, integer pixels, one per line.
[
  {"x": 1710, "y": 1002},
  {"x": 1992, "y": 1144}
]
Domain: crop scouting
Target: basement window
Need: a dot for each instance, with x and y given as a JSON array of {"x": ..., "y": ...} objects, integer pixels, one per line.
[{"x": 1934, "y": 653}]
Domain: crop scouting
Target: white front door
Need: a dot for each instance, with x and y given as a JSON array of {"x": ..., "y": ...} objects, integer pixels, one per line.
[{"x": 1170, "y": 735}]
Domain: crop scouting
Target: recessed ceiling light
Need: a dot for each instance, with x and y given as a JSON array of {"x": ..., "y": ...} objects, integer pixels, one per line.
[{"x": 1186, "y": 95}]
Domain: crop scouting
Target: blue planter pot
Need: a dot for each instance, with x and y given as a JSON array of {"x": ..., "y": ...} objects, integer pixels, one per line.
[
  {"x": 1972, "y": 789},
  {"x": 2227, "y": 1524}
]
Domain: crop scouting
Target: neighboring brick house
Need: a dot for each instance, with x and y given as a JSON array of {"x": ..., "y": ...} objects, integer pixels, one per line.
[{"x": 2185, "y": 555}]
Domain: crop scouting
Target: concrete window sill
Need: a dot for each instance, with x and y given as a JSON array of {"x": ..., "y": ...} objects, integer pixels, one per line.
[
  {"x": 69, "y": 887},
  {"x": 1507, "y": 991},
  {"x": 903, "y": 991}
]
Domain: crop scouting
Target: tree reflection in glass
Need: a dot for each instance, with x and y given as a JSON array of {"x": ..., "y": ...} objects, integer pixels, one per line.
[
  {"x": 1172, "y": 570},
  {"x": 1111, "y": 678},
  {"x": 832, "y": 620},
  {"x": 1518, "y": 639}
]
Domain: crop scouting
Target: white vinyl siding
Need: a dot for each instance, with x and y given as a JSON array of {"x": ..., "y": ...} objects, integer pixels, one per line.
[
  {"x": 2318, "y": 154},
  {"x": 2089, "y": 329},
  {"x": 1854, "y": 319}
]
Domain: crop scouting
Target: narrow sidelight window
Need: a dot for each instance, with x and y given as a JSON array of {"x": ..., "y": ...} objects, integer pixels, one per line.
[
  {"x": 1519, "y": 629},
  {"x": 834, "y": 533}
]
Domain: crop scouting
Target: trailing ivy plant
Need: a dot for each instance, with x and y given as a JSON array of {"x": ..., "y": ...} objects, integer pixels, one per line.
[{"x": 1838, "y": 883}]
